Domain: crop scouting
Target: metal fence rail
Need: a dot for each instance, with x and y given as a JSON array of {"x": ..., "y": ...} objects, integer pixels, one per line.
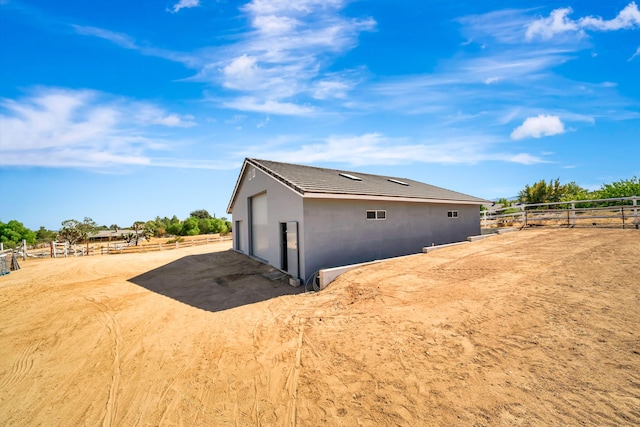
[{"x": 619, "y": 212}]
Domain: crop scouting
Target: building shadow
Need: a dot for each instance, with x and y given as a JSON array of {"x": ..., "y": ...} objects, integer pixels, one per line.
[{"x": 217, "y": 281}]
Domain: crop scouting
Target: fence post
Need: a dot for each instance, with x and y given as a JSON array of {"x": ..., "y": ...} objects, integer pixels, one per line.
[
  {"x": 635, "y": 212},
  {"x": 573, "y": 214},
  {"x": 1, "y": 246},
  {"x": 24, "y": 249}
]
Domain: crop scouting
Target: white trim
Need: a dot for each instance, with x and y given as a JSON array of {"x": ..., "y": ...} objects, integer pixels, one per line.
[
  {"x": 385, "y": 198},
  {"x": 250, "y": 173},
  {"x": 376, "y": 213}
]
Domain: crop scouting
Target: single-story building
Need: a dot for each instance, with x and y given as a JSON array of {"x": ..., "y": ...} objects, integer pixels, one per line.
[
  {"x": 302, "y": 218},
  {"x": 109, "y": 235}
]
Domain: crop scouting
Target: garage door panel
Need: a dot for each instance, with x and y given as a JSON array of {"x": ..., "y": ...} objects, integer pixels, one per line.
[{"x": 259, "y": 226}]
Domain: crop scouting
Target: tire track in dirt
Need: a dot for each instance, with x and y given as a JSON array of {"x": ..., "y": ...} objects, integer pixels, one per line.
[
  {"x": 292, "y": 380},
  {"x": 22, "y": 366},
  {"x": 108, "y": 319}
]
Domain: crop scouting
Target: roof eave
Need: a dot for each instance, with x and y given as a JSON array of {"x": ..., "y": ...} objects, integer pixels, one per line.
[{"x": 340, "y": 196}]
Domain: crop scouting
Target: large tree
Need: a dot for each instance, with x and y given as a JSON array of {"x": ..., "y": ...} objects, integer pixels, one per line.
[
  {"x": 201, "y": 214},
  {"x": 622, "y": 188},
  {"x": 553, "y": 191},
  {"x": 74, "y": 231},
  {"x": 14, "y": 232}
]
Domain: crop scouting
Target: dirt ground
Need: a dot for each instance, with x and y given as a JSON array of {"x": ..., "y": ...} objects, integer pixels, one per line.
[{"x": 536, "y": 327}]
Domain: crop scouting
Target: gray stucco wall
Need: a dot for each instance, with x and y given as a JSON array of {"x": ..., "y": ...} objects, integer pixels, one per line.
[
  {"x": 282, "y": 205},
  {"x": 337, "y": 232}
]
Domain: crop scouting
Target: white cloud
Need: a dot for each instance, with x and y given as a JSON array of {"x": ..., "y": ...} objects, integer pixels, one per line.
[
  {"x": 326, "y": 89},
  {"x": 128, "y": 42},
  {"x": 537, "y": 127},
  {"x": 286, "y": 52},
  {"x": 637, "y": 53},
  {"x": 119, "y": 39},
  {"x": 184, "y": 4},
  {"x": 268, "y": 106},
  {"x": 377, "y": 149},
  {"x": 274, "y": 25},
  {"x": 559, "y": 22},
  {"x": 79, "y": 128},
  {"x": 628, "y": 18}
]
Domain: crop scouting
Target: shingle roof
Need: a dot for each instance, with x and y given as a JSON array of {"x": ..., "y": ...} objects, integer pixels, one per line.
[{"x": 307, "y": 180}]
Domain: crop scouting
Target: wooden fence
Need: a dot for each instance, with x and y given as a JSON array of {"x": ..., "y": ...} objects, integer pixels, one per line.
[
  {"x": 123, "y": 248},
  {"x": 63, "y": 250},
  {"x": 620, "y": 212}
]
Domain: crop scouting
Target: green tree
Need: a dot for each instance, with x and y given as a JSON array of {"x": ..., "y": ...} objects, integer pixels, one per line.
[
  {"x": 13, "y": 232},
  {"x": 200, "y": 214},
  {"x": 573, "y": 191},
  {"x": 175, "y": 228},
  {"x": 622, "y": 188},
  {"x": 190, "y": 227},
  {"x": 45, "y": 236},
  {"x": 204, "y": 225},
  {"x": 74, "y": 231},
  {"x": 553, "y": 191}
]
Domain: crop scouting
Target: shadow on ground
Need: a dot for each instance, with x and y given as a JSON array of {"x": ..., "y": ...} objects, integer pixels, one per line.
[{"x": 217, "y": 281}]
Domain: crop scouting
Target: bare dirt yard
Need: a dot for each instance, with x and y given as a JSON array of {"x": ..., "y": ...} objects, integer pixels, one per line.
[{"x": 537, "y": 327}]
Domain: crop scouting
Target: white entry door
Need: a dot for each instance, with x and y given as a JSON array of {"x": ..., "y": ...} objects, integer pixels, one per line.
[{"x": 259, "y": 227}]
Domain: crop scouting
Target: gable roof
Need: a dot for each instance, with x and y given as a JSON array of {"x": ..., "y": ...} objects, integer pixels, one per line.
[{"x": 311, "y": 181}]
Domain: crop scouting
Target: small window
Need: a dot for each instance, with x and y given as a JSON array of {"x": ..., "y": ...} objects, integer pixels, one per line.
[
  {"x": 452, "y": 214},
  {"x": 377, "y": 215}
]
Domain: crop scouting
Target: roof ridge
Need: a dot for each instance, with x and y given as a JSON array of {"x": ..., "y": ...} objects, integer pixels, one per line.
[{"x": 336, "y": 170}]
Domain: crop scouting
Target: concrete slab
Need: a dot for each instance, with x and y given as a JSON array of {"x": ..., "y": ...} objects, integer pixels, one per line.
[
  {"x": 480, "y": 237},
  {"x": 428, "y": 249}
]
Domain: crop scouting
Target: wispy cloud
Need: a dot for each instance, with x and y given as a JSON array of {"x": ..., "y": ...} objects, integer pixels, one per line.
[
  {"x": 184, "y": 4},
  {"x": 378, "y": 149},
  {"x": 558, "y": 22},
  {"x": 128, "y": 42},
  {"x": 537, "y": 127},
  {"x": 637, "y": 53},
  {"x": 258, "y": 105},
  {"x": 285, "y": 54},
  {"x": 80, "y": 128}
]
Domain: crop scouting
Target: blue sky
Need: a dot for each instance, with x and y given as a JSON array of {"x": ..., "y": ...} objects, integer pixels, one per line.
[{"x": 121, "y": 111}]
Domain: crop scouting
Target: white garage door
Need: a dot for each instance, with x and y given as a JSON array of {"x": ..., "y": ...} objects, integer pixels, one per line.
[{"x": 259, "y": 230}]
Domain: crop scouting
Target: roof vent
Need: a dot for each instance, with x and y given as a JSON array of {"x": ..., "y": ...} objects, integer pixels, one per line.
[
  {"x": 395, "y": 181},
  {"x": 353, "y": 177}
]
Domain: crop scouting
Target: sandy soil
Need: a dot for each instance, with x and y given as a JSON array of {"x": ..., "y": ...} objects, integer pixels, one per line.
[{"x": 537, "y": 327}]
